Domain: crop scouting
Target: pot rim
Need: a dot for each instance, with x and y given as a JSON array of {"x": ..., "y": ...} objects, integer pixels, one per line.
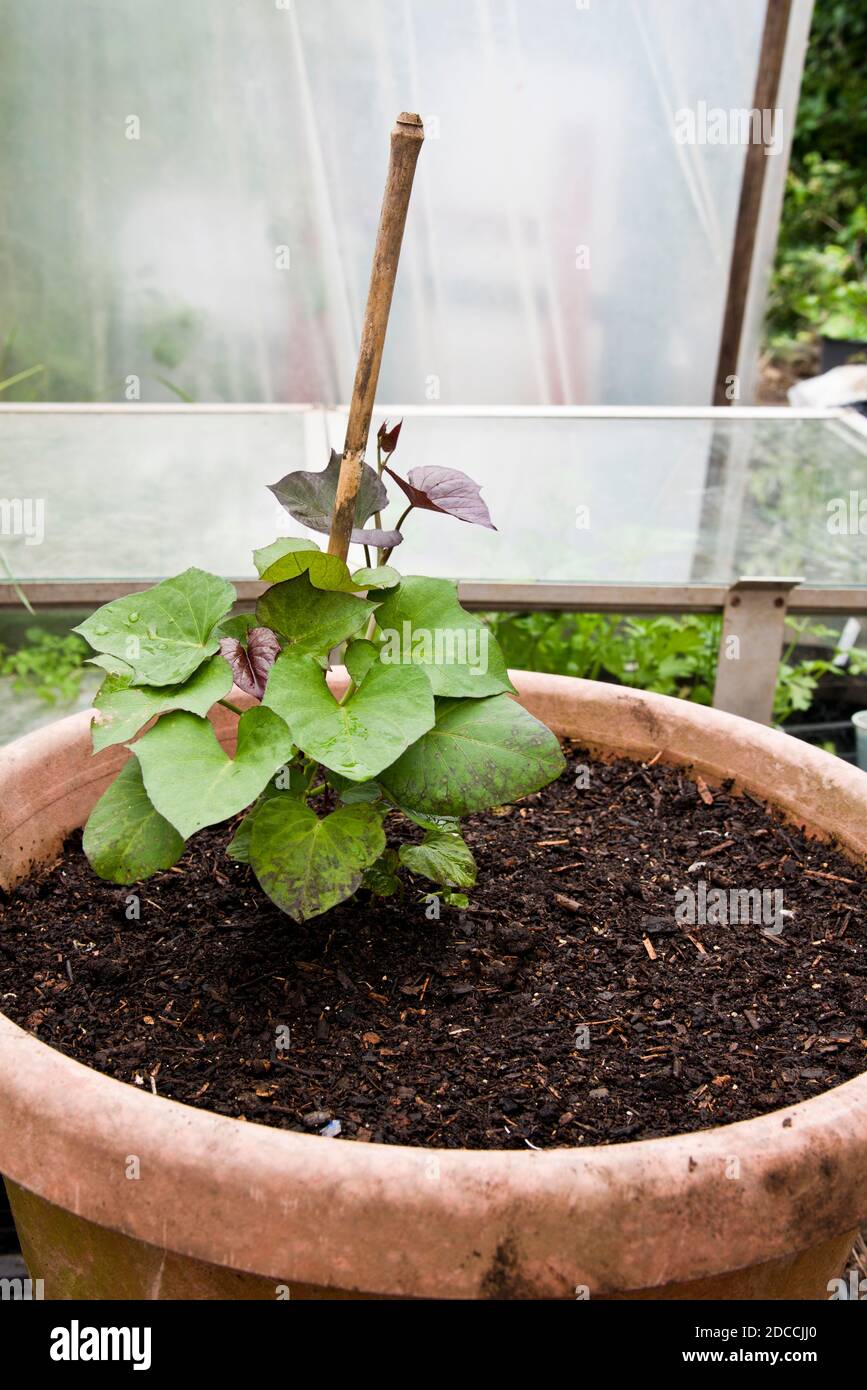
[{"x": 294, "y": 1206}]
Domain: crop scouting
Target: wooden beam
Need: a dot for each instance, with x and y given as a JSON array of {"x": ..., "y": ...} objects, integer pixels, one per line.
[
  {"x": 493, "y": 595},
  {"x": 765, "y": 98}
]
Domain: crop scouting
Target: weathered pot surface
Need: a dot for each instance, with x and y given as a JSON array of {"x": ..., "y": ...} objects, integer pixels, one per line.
[{"x": 765, "y": 1208}]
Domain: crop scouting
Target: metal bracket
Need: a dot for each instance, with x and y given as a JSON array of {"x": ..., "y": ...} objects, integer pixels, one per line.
[{"x": 754, "y": 618}]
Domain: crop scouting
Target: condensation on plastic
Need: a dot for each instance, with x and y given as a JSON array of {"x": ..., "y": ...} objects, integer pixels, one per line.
[{"x": 224, "y": 250}]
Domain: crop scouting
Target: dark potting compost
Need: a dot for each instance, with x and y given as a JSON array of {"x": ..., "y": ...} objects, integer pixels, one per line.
[{"x": 642, "y": 956}]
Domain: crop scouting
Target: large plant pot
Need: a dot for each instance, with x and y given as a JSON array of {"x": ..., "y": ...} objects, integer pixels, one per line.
[{"x": 766, "y": 1208}]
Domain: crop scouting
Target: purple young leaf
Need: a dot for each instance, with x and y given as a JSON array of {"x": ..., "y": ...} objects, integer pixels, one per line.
[
  {"x": 445, "y": 490},
  {"x": 251, "y": 664},
  {"x": 310, "y": 497},
  {"x": 380, "y": 540},
  {"x": 388, "y": 437}
]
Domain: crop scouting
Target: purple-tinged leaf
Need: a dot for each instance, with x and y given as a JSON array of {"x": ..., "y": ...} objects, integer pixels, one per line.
[
  {"x": 309, "y": 498},
  {"x": 381, "y": 540},
  {"x": 388, "y": 438},
  {"x": 445, "y": 490},
  {"x": 251, "y": 663}
]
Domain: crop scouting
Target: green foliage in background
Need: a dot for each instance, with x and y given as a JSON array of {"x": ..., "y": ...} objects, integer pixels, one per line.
[
  {"x": 818, "y": 284},
  {"x": 672, "y": 656},
  {"x": 47, "y": 665},
  {"x": 832, "y": 114}
]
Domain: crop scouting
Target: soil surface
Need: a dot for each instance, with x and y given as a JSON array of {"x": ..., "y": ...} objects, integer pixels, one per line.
[{"x": 567, "y": 1005}]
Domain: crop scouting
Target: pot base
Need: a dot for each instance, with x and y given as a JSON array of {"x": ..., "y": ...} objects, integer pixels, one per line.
[{"x": 88, "y": 1261}]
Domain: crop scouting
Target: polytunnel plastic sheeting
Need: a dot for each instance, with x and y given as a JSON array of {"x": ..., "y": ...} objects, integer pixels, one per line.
[{"x": 197, "y": 188}]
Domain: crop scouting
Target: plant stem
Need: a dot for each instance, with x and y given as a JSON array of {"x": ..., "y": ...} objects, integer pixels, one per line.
[
  {"x": 377, "y": 516},
  {"x": 385, "y": 554},
  {"x": 19, "y": 592},
  {"x": 234, "y": 708}
]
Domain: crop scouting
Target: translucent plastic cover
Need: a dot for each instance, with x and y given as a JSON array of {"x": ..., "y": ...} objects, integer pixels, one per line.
[{"x": 192, "y": 193}]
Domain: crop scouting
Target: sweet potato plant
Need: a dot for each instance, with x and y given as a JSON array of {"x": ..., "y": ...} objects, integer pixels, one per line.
[{"x": 426, "y": 726}]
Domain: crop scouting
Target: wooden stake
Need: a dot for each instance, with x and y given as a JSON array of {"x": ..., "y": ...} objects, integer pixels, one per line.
[{"x": 406, "y": 142}]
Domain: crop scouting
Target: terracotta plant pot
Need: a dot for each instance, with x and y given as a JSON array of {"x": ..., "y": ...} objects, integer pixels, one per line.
[{"x": 766, "y": 1208}]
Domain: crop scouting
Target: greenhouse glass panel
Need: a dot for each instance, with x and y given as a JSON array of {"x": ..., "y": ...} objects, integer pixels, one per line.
[{"x": 603, "y": 497}]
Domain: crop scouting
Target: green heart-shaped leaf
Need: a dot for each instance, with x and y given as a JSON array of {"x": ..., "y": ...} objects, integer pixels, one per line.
[
  {"x": 358, "y": 739},
  {"x": 292, "y": 555},
  {"x": 323, "y": 571},
  {"x": 422, "y": 622},
  {"x": 381, "y": 878},
  {"x": 444, "y": 858},
  {"x": 240, "y": 626},
  {"x": 451, "y": 824},
  {"x": 112, "y": 665},
  {"x": 193, "y": 783},
  {"x": 351, "y": 793},
  {"x": 165, "y": 633},
  {"x": 123, "y": 709},
  {"x": 377, "y": 577},
  {"x": 359, "y": 657},
  {"x": 267, "y": 555},
  {"x": 306, "y": 864},
  {"x": 312, "y": 620},
  {"x": 126, "y": 839},
  {"x": 238, "y": 847},
  {"x": 480, "y": 753}
]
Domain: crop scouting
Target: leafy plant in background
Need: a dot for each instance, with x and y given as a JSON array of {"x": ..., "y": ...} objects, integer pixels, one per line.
[
  {"x": 818, "y": 280},
  {"x": 669, "y": 655},
  {"x": 47, "y": 665},
  {"x": 832, "y": 113},
  {"x": 797, "y": 681},
  {"x": 826, "y": 289},
  {"x": 426, "y": 726},
  {"x": 820, "y": 261},
  {"x": 672, "y": 656}
]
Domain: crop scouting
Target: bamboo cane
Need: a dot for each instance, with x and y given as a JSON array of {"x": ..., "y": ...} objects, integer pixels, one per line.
[{"x": 406, "y": 141}]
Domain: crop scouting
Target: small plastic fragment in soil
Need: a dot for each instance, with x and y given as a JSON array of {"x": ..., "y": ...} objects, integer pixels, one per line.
[
  {"x": 315, "y": 1118},
  {"x": 332, "y": 1129}
]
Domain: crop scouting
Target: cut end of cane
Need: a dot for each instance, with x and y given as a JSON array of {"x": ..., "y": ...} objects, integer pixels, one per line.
[{"x": 409, "y": 126}]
